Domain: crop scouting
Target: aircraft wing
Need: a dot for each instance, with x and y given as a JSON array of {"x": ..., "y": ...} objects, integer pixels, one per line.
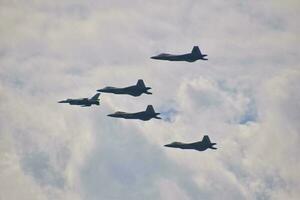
[{"x": 86, "y": 105}]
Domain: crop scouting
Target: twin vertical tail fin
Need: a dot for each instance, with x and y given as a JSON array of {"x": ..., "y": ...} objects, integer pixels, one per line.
[
  {"x": 207, "y": 141},
  {"x": 140, "y": 83},
  {"x": 151, "y": 110},
  {"x": 196, "y": 51}
]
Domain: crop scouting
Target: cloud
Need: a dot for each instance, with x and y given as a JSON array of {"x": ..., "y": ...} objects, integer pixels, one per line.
[{"x": 245, "y": 97}]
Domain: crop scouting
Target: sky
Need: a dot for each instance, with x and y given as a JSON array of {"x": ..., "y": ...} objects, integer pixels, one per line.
[{"x": 245, "y": 97}]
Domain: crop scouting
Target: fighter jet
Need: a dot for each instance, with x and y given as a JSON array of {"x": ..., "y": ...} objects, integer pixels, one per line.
[
  {"x": 135, "y": 90},
  {"x": 146, "y": 115},
  {"x": 189, "y": 57},
  {"x": 199, "y": 146},
  {"x": 83, "y": 102}
]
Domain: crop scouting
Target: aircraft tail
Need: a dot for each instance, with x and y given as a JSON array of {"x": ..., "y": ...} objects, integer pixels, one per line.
[
  {"x": 196, "y": 50},
  {"x": 150, "y": 109},
  {"x": 95, "y": 97},
  {"x": 156, "y": 116},
  {"x": 140, "y": 83},
  {"x": 206, "y": 139},
  {"x": 212, "y": 146}
]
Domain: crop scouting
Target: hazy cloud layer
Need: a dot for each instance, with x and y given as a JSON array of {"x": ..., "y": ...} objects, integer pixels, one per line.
[{"x": 245, "y": 97}]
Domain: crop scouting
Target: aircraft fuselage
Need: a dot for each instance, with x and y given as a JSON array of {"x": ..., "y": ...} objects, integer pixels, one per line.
[
  {"x": 199, "y": 146},
  {"x": 139, "y": 115},
  {"x": 85, "y": 102},
  {"x": 185, "y": 57},
  {"x": 131, "y": 90}
]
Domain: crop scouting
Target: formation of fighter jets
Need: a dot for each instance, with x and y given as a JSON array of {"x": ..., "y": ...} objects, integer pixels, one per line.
[{"x": 140, "y": 88}]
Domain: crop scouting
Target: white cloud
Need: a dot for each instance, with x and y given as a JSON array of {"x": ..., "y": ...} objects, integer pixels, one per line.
[{"x": 245, "y": 97}]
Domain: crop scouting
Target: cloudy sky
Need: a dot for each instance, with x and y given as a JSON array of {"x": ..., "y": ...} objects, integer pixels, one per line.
[{"x": 246, "y": 97}]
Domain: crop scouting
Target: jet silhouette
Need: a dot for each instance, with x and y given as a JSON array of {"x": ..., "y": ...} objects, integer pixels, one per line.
[
  {"x": 146, "y": 115},
  {"x": 199, "y": 146},
  {"x": 83, "y": 102},
  {"x": 189, "y": 57},
  {"x": 135, "y": 90}
]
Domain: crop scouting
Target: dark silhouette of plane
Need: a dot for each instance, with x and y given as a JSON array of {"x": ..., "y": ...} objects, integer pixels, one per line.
[
  {"x": 135, "y": 90},
  {"x": 83, "y": 102},
  {"x": 146, "y": 115},
  {"x": 199, "y": 146},
  {"x": 189, "y": 57}
]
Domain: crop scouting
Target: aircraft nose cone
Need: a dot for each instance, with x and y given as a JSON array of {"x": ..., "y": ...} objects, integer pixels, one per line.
[
  {"x": 168, "y": 145},
  {"x": 111, "y": 115},
  {"x": 61, "y": 101},
  {"x": 154, "y": 57}
]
